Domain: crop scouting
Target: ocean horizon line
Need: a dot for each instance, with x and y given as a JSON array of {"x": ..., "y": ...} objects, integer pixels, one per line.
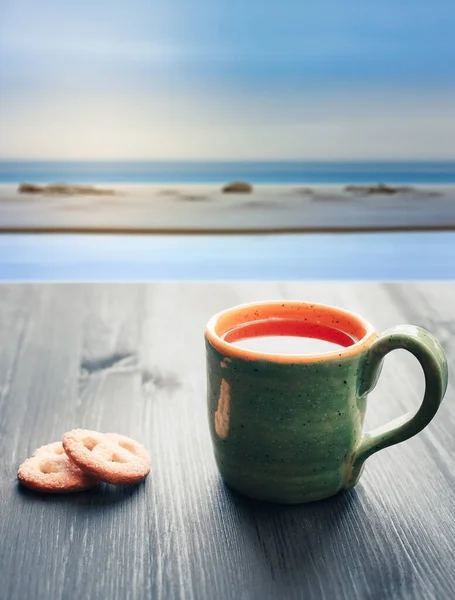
[{"x": 334, "y": 161}]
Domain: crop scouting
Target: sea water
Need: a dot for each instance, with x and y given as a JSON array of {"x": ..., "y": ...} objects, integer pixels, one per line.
[{"x": 268, "y": 172}]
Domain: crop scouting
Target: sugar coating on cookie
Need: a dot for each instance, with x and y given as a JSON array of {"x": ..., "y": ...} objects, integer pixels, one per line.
[
  {"x": 109, "y": 457},
  {"x": 50, "y": 470}
]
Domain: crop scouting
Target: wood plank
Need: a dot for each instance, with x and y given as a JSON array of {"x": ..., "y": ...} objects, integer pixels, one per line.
[{"x": 130, "y": 358}]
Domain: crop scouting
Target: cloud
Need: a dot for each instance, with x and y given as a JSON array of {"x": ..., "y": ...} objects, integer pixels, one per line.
[
  {"x": 226, "y": 79},
  {"x": 141, "y": 50},
  {"x": 227, "y": 127}
]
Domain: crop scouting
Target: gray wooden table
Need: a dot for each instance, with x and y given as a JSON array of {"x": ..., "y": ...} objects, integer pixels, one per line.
[{"x": 130, "y": 358}]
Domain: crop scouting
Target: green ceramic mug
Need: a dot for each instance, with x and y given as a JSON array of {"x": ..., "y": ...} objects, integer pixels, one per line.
[{"x": 288, "y": 428}]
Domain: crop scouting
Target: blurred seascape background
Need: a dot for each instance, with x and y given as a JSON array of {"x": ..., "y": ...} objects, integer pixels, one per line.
[{"x": 339, "y": 118}]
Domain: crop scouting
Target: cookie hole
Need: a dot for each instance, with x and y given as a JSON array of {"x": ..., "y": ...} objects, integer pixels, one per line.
[
  {"x": 47, "y": 466},
  {"x": 118, "y": 459},
  {"x": 89, "y": 443},
  {"x": 128, "y": 446},
  {"x": 59, "y": 450}
]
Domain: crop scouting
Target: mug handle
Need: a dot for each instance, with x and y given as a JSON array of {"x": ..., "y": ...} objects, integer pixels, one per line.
[{"x": 430, "y": 354}]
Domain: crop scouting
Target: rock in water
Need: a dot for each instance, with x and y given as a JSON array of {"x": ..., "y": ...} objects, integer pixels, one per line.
[
  {"x": 63, "y": 189},
  {"x": 381, "y": 189},
  {"x": 239, "y": 187},
  {"x": 30, "y": 188}
]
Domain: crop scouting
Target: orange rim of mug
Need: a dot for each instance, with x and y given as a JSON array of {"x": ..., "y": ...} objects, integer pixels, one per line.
[{"x": 353, "y": 333}]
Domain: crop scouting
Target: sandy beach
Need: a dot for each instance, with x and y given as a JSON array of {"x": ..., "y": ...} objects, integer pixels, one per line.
[{"x": 205, "y": 209}]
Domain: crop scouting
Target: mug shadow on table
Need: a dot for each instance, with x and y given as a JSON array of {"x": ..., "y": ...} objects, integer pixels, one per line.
[{"x": 309, "y": 544}]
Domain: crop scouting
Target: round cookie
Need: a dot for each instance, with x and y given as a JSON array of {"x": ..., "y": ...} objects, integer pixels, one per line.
[
  {"x": 109, "y": 457},
  {"x": 50, "y": 470}
]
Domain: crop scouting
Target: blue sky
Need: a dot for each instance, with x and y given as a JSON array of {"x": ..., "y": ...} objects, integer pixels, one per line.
[{"x": 227, "y": 79}]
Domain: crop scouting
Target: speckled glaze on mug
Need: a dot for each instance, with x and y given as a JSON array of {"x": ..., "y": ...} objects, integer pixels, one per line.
[{"x": 288, "y": 428}]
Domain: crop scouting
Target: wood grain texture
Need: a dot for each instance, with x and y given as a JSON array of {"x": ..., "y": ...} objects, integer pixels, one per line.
[{"x": 130, "y": 358}]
